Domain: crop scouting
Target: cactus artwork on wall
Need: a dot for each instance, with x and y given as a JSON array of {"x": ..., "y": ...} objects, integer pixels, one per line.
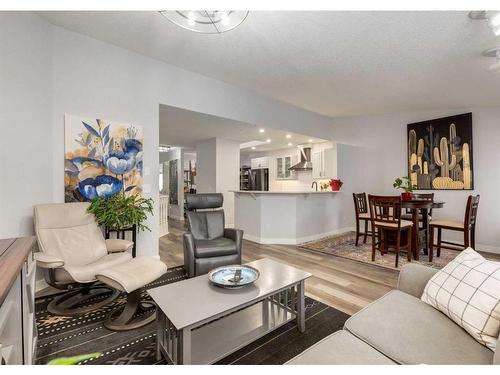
[{"x": 439, "y": 153}]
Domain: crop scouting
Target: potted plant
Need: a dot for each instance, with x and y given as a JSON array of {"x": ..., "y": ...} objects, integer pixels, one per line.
[
  {"x": 120, "y": 212},
  {"x": 336, "y": 184},
  {"x": 404, "y": 183}
]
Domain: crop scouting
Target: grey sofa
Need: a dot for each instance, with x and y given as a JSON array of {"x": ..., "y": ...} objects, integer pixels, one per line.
[
  {"x": 207, "y": 244},
  {"x": 399, "y": 328}
]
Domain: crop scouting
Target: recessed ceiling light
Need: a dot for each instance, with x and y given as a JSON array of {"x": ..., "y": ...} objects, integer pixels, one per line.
[
  {"x": 253, "y": 147},
  {"x": 262, "y": 130},
  {"x": 163, "y": 148},
  {"x": 290, "y": 144},
  {"x": 493, "y": 18},
  {"x": 288, "y": 136},
  {"x": 309, "y": 140},
  {"x": 268, "y": 140}
]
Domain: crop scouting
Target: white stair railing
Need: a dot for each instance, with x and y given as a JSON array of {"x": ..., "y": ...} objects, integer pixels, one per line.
[{"x": 163, "y": 215}]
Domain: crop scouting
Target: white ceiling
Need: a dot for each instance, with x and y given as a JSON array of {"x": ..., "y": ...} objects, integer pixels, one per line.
[
  {"x": 184, "y": 128},
  {"x": 333, "y": 63}
]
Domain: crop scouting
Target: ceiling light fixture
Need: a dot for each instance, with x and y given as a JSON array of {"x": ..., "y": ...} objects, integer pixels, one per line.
[
  {"x": 163, "y": 148},
  {"x": 290, "y": 144},
  {"x": 268, "y": 140},
  {"x": 493, "y": 18},
  {"x": 261, "y": 130},
  {"x": 288, "y": 136},
  {"x": 206, "y": 21},
  {"x": 253, "y": 147},
  {"x": 309, "y": 140},
  {"x": 493, "y": 52}
]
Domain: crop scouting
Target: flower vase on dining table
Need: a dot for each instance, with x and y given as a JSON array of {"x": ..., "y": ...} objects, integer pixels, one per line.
[{"x": 406, "y": 196}]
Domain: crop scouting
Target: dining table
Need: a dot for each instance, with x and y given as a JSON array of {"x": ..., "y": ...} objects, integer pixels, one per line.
[{"x": 420, "y": 207}]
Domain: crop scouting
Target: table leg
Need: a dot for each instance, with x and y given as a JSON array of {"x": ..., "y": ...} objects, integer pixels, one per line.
[
  {"x": 414, "y": 232},
  {"x": 160, "y": 332},
  {"x": 301, "y": 310},
  {"x": 425, "y": 224},
  {"x": 186, "y": 346},
  {"x": 265, "y": 312}
]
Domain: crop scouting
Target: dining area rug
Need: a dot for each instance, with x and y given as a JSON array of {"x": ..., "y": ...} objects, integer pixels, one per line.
[{"x": 344, "y": 245}]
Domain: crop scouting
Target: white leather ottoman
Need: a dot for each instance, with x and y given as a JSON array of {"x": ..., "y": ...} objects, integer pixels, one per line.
[{"x": 131, "y": 277}]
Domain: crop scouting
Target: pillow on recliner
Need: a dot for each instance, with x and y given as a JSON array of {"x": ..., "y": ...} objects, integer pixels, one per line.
[{"x": 467, "y": 290}]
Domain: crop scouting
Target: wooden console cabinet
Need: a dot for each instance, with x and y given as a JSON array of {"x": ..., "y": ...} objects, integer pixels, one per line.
[{"x": 17, "y": 301}]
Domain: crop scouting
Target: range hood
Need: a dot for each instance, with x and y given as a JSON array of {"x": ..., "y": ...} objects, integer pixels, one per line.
[{"x": 305, "y": 160}]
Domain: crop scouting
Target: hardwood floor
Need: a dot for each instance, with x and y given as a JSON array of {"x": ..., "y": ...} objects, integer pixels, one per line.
[{"x": 344, "y": 284}]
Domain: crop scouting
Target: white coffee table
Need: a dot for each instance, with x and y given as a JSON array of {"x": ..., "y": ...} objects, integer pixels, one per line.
[{"x": 199, "y": 323}]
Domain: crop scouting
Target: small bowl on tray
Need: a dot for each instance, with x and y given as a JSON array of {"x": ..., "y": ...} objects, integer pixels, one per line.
[{"x": 234, "y": 276}]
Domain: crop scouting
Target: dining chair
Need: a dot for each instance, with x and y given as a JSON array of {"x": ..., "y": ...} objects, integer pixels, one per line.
[
  {"x": 467, "y": 227},
  {"x": 362, "y": 215},
  {"x": 385, "y": 213}
]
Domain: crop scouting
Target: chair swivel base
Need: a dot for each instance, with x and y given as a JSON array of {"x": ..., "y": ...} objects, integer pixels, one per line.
[
  {"x": 136, "y": 313},
  {"x": 81, "y": 301}
]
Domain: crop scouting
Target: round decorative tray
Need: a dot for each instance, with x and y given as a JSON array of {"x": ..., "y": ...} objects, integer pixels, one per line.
[{"x": 232, "y": 277}]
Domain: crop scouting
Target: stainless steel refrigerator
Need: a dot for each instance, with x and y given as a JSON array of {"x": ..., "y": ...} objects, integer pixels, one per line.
[{"x": 259, "y": 179}]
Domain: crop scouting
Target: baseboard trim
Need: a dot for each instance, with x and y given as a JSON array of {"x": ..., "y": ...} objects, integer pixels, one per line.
[
  {"x": 174, "y": 217},
  {"x": 488, "y": 248},
  {"x": 294, "y": 241}
]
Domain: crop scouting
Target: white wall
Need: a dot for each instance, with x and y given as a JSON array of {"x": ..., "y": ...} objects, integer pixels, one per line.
[
  {"x": 218, "y": 171},
  {"x": 228, "y": 175},
  {"x": 48, "y": 71},
  {"x": 377, "y": 155},
  {"x": 206, "y": 166},
  {"x": 25, "y": 112}
]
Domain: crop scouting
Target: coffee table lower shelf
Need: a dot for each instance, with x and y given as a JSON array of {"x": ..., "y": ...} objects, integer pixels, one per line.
[{"x": 211, "y": 341}]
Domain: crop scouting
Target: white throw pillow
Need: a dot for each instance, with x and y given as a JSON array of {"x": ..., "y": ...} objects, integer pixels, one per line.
[{"x": 467, "y": 290}]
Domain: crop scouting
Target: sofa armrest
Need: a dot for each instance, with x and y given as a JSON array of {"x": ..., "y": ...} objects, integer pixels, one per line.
[
  {"x": 189, "y": 246},
  {"x": 116, "y": 245},
  {"x": 414, "y": 277},
  {"x": 48, "y": 261}
]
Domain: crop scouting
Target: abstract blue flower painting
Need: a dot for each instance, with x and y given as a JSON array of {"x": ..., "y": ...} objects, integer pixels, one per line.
[{"x": 101, "y": 158}]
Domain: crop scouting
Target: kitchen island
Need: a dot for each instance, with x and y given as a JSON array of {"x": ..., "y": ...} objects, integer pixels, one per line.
[{"x": 287, "y": 217}]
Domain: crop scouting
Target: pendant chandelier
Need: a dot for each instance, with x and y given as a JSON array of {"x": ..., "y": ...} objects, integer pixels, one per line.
[{"x": 206, "y": 21}]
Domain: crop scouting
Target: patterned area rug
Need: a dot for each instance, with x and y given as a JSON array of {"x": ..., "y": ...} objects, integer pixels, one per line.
[
  {"x": 67, "y": 336},
  {"x": 343, "y": 245}
]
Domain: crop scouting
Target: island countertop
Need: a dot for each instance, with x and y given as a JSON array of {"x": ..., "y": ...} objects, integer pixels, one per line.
[
  {"x": 283, "y": 192},
  {"x": 287, "y": 217}
]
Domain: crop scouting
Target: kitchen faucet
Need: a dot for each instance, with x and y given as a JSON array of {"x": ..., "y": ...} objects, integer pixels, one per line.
[{"x": 314, "y": 183}]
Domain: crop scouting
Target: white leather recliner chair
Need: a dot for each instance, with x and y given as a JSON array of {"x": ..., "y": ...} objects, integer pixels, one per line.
[{"x": 73, "y": 251}]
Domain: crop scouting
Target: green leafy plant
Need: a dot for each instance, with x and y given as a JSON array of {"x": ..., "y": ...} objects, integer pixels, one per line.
[
  {"x": 73, "y": 360},
  {"x": 120, "y": 211},
  {"x": 404, "y": 183}
]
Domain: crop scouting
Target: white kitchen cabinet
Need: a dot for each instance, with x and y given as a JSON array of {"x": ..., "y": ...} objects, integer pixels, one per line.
[
  {"x": 283, "y": 164},
  {"x": 259, "y": 163},
  {"x": 324, "y": 161}
]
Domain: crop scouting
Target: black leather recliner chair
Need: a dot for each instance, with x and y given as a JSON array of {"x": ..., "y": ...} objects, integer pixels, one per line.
[{"x": 207, "y": 244}]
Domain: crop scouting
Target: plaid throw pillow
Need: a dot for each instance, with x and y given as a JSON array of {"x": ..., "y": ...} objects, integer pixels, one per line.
[{"x": 467, "y": 290}]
